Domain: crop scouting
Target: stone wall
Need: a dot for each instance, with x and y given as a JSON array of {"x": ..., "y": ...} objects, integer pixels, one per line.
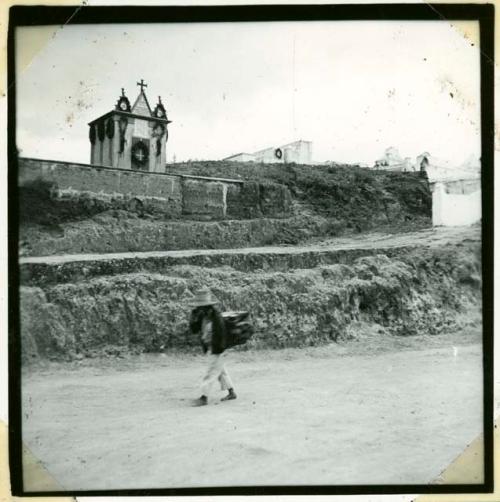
[
  {"x": 240, "y": 201},
  {"x": 172, "y": 196},
  {"x": 204, "y": 199},
  {"x": 113, "y": 188},
  {"x": 275, "y": 200}
]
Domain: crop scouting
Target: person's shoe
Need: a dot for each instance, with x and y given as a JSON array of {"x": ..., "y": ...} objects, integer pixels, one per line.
[
  {"x": 201, "y": 401},
  {"x": 230, "y": 396}
]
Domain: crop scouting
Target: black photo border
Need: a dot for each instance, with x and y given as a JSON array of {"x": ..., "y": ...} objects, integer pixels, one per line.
[{"x": 23, "y": 16}]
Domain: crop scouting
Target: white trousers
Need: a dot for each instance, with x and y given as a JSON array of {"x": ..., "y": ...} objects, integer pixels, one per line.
[{"x": 216, "y": 370}]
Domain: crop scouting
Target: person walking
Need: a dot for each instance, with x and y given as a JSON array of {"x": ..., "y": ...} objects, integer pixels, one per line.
[{"x": 207, "y": 322}]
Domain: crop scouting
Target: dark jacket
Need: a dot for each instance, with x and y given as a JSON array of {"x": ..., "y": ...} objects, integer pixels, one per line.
[{"x": 219, "y": 333}]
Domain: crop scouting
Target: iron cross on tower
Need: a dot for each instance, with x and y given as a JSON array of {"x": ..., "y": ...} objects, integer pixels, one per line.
[{"x": 142, "y": 84}]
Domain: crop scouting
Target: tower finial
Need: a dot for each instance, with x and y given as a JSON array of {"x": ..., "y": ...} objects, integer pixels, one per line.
[
  {"x": 123, "y": 91},
  {"x": 142, "y": 84},
  {"x": 159, "y": 100}
]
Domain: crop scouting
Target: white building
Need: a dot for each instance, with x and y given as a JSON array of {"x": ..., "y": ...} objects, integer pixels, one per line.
[
  {"x": 436, "y": 168},
  {"x": 392, "y": 161},
  {"x": 242, "y": 157},
  {"x": 299, "y": 152}
]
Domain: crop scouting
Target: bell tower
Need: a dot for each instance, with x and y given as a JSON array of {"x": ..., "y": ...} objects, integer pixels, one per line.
[{"x": 131, "y": 137}]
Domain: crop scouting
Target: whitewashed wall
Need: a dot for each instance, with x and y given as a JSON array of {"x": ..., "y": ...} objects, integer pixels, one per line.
[{"x": 451, "y": 209}]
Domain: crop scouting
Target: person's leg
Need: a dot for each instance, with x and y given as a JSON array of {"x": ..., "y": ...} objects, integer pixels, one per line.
[
  {"x": 211, "y": 375},
  {"x": 226, "y": 383}
]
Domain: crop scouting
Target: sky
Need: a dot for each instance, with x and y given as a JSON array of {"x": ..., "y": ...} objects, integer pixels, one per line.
[{"x": 353, "y": 88}]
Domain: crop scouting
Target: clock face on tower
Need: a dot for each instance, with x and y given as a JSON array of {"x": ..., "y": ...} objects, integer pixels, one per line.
[
  {"x": 159, "y": 111},
  {"x": 123, "y": 104}
]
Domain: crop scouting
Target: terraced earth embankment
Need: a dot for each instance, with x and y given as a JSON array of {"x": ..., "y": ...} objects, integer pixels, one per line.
[
  {"x": 425, "y": 282},
  {"x": 318, "y": 202}
]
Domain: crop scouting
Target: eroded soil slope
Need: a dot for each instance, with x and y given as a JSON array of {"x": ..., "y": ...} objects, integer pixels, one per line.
[{"x": 429, "y": 288}]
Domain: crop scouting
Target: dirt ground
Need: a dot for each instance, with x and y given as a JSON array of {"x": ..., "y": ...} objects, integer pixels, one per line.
[{"x": 363, "y": 412}]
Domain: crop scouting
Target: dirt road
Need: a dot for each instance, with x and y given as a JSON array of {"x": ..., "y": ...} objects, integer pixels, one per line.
[{"x": 341, "y": 414}]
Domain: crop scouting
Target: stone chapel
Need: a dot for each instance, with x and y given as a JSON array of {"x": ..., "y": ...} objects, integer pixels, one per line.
[{"x": 131, "y": 137}]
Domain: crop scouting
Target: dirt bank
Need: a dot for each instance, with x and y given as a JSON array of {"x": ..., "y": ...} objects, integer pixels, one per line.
[
  {"x": 119, "y": 231},
  {"x": 417, "y": 290},
  {"x": 66, "y": 268},
  {"x": 313, "y": 416}
]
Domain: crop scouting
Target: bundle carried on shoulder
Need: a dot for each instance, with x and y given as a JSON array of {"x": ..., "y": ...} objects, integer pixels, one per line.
[{"x": 238, "y": 326}]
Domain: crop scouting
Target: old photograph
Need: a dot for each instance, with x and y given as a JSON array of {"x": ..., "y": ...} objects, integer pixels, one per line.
[{"x": 250, "y": 253}]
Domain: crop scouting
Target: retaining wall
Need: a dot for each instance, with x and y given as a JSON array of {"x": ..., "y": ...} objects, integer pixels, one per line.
[
  {"x": 201, "y": 198},
  {"x": 172, "y": 195}
]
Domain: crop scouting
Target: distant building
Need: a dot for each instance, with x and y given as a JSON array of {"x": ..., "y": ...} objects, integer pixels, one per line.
[
  {"x": 422, "y": 162},
  {"x": 434, "y": 167},
  {"x": 299, "y": 152},
  {"x": 242, "y": 157},
  {"x": 392, "y": 161}
]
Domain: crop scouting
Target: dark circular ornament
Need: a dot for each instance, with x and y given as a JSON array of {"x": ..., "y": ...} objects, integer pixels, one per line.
[
  {"x": 92, "y": 134},
  {"x": 110, "y": 128},
  {"x": 140, "y": 153},
  {"x": 160, "y": 112},
  {"x": 101, "y": 130},
  {"x": 123, "y": 104},
  {"x": 159, "y": 129},
  {"x": 278, "y": 153}
]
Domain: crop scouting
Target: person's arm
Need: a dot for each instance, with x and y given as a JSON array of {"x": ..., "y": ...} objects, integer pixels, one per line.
[
  {"x": 195, "y": 321},
  {"x": 219, "y": 336},
  {"x": 195, "y": 325}
]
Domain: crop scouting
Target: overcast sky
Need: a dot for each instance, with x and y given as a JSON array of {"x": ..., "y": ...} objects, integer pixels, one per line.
[{"x": 352, "y": 88}]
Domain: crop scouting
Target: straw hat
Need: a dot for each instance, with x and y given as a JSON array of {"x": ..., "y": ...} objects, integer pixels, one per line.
[{"x": 203, "y": 297}]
